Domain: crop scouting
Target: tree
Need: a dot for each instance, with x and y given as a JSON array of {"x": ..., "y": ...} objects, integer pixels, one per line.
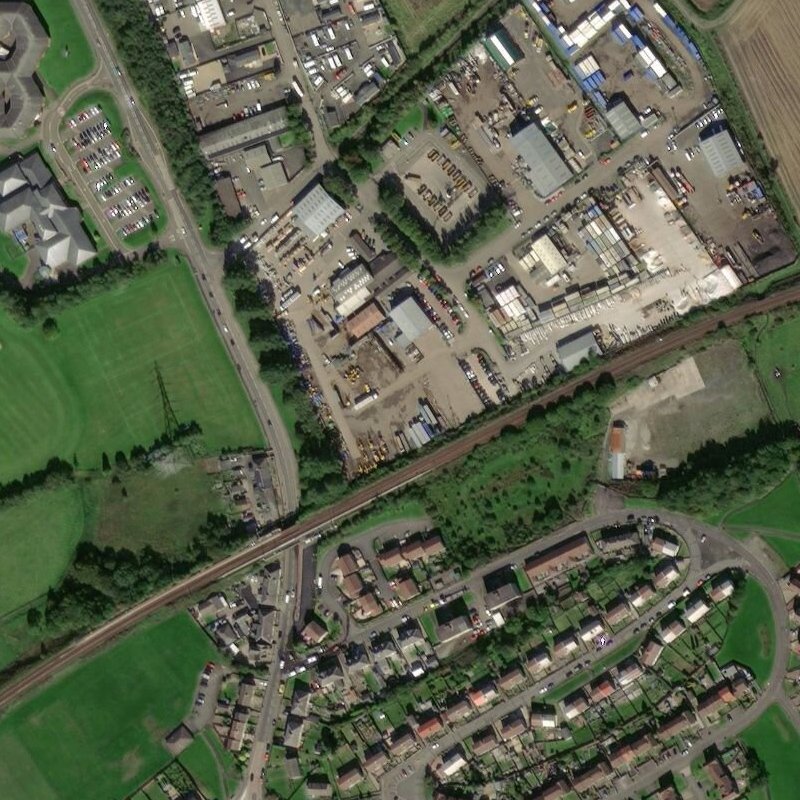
[{"x": 34, "y": 617}]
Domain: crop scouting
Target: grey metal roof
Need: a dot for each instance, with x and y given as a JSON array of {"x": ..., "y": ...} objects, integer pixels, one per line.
[
  {"x": 572, "y": 349},
  {"x": 548, "y": 171},
  {"x": 621, "y": 117},
  {"x": 720, "y": 150},
  {"x": 410, "y": 318},
  {"x": 316, "y": 211},
  {"x": 245, "y": 132}
]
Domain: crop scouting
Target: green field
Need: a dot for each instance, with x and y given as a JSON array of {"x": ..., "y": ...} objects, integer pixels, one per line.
[
  {"x": 750, "y": 638},
  {"x": 777, "y": 346},
  {"x": 416, "y": 20},
  {"x": 211, "y": 766},
  {"x": 775, "y": 740},
  {"x": 96, "y": 733},
  {"x": 37, "y": 536},
  {"x": 786, "y": 547},
  {"x": 779, "y": 510},
  {"x": 93, "y": 388},
  {"x": 12, "y": 256},
  {"x": 69, "y": 57}
]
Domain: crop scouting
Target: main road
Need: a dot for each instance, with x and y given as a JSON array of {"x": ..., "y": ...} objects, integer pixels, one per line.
[{"x": 627, "y": 363}]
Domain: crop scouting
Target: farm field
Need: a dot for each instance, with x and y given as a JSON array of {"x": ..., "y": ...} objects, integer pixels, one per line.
[
  {"x": 96, "y": 733},
  {"x": 92, "y": 387},
  {"x": 69, "y": 57},
  {"x": 776, "y": 345},
  {"x": 779, "y": 510},
  {"x": 760, "y": 42},
  {"x": 750, "y": 637},
  {"x": 773, "y": 737},
  {"x": 38, "y": 534},
  {"x": 211, "y": 766},
  {"x": 12, "y": 256}
]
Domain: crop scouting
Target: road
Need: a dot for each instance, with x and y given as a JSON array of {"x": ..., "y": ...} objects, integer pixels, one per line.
[
  {"x": 717, "y": 553},
  {"x": 625, "y": 364}
]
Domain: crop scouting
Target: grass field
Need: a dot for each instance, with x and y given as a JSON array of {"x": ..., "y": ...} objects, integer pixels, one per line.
[
  {"x": 92, "y": 388},
  {"x": 779, "y": 510},
  {"x": 750, "y": 638},
  {"x": 786, "y": 547},
  {"x": 69, "y": 57},
  {"x": 416, "y": 20},
  {"x": 12, "y": 256},
  {"x": 774, "y": 738},
  {"x": 96, "y": 733},
  {"x": 211, "y": 765},
  {"x": 163, "y": 511},
  {"x": 37, "y": 536},
  {"x": 777, "y": 346}
]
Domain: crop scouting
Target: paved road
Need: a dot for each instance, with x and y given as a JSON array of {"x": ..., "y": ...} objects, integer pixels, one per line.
[
  {"x": 717, "y": 553},
  {"x": 630, "y": 362}
]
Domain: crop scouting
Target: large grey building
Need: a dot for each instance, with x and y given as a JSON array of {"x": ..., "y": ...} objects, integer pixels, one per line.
[
  {"x": 35, "y": 212},
  {"x": 22, "y": 43},
  {"x": 244, "y": 133},
  {"x": 315, "y": 211},
  {"x": 720, "y": 150},
  {"x": 621, "y": 117},
  {"x": 572, "y": 349},
  {"x": 547, "y": 170}
]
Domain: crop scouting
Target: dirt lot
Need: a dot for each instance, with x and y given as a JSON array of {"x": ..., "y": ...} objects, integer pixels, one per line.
[
  {"x": 711, "y": 396},
  {"x": 761, "y": 43}
]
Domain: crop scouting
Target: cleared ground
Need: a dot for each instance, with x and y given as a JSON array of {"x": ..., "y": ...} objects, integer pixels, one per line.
[
  {"x": 761, "y": 44},
  {"x": 774, "y": 737},
  {"x": 69, "y": 57},
  {"x": 710, "y": 396},
  {"x": 750, "y": 638},
  {"x": 92, "y": 388},
  {"x": 37, "y": 537},
  {"x": 96, "y": 733}
]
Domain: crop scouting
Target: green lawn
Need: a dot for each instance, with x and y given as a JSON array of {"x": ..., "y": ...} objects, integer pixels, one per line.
[
  {"x": 780, "y": 509},
  {"x": 776, "y": 741},
  {"x": 211, "y": 765},
  {"x": 37, "y": 536},
  {"x": 93, "y": 388},
  {"x": 96, "y": 732},
  {"x": 750, "y": 638},
  {"x": 12, "y": 256},
  {"x": 786, "y": 547},
  {"x": 69, "y": 57},
  {"x": 776, "y": 346},
  {"x": 151, "y": 508}
]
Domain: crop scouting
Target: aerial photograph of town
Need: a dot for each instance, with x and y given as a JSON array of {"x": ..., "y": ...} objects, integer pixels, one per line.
[{"x": 399, "y": 399}]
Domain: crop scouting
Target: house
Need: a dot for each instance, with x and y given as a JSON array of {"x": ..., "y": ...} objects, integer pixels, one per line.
[
  {"x": 723, "y": 780},
  {"x": 483, "y": 693},
  {"x": 617, "y": 612},
  {"x": 511, "y": 678},
  {"x": 433, "y": 546},
  {"x": 502, "y": 595},
  {"x": 344, "y": 565},
  {"x": 538, "y": 659},
  {"x": 484, "y": 741},
  {"x": 601, "y": 689},
  {"x": 348, "y": 776},
  {"x": 352, "y": 586},
  {"x": 682, "y": 722},
  {"x": 410, "y": 636},
  {"x": 642, "y": 595},
  {"x": 665, "y": 574},
  {"x": 554, "y": 791},
  {"x": 318, "y": 786},
  {"x": 575, "y": 704},
  {"x": 392, "y": 559},
  {"x": 330, "y": 673},
  {"x": 406, "y": 589},
  {"x": 452, "y": 762},
  {"x": 696, "y": 610},
  {"x": 542, "y": 718},
  {"x": 564, "y": 644},
  {"x": 401, "y": 742},
  {"x": 721, "y": 589},
  {"x": 717, "y": 698},
  {"x": 615, "y": 540},
  {"x": 559, "y": 557},
  {"x": 457, "y": 710},
  {"x": 512, "y": 725},
  {"x": 652, "y": 652},
  {"x": 590, "y": 628},
  {"x": 293, "y": 732},
  {"x": 629, "y": 671},
  {"x": 670, "y": 632},
  {"x": 430, "y": 726},
  {"x": 375, "y": 759},
  {"x": 664, "y": 546},
  {"x": 301, "y": 700},
  {"x": 452, "y": 629},
  {"x": 591, "y": 777},
  {"x": 367, "y": 606},
  {"x": 623, "y": 755},
  {"x": 314, "y": 633}
]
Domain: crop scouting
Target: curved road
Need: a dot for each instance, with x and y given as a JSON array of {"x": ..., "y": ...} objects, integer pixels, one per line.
[{"x": 621, "y": 366}]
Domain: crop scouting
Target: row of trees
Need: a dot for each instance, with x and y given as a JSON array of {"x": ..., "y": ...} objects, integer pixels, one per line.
[
  {"x": 139, "y": 44},
  {"x": 472, "y": 230}
]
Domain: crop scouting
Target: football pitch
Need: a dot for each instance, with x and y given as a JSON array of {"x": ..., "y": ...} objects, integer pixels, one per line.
[
  {"x": 92, "y": 387},
  {"x": 96, "y": 733}
]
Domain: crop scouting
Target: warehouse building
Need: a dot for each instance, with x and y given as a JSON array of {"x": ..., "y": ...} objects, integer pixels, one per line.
[
  {"x": 410, "y": 318},
  {"x": 22, "y": 43},
  {"x": 315, "y": 211},
  {"x": 543, "y": 251},
  {"x": 249, "y": 131},
  {"x": 350, "y": 288},
  {"x": 34, "y": 211},
  {"x": 547, "y": 170},
  {"x": 572, "y": 349},
  {"x": 621, "y": 117},
  {"x": 503, "y": 49},
  {"x": 364, "y": 321},
  {"x": 720, "y": 150}
]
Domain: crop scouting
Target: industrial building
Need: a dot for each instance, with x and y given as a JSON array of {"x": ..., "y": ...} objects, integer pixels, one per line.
[
  {"x": 616, "y": 451},
  {"x": 350, "y": 288},
  {"x": 572, "y": 349},
  {"x": 547, "y": 170},
  {"x": 364, "y": 321},
  {"x": 34, "y": 211},
  {"x": 604, "y": 240},
  {"x": 720, "y": 150},
  {"x": 543, "y": 251},
  {"x": 22, "y": 43},
  {"x": 621, "y": 117},
  {"x": 246, "y": 132},
  {"x": 315, "y": 211},
  {"x": 503, "y": 49},
  {"x": 410, "y": 318}
]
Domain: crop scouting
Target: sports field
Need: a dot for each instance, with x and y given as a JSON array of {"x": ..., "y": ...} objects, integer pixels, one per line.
[
  {"x": 778, "y": 346},
  {"x": 12, "y": 256},
  {"x": 69, "y": 57},
  {"x": 777, "y": 742},
  {"x": 750, "y": 638},
  {"x": 96, "y": 733},
  {"x": 38, "y": 535},
  {"x": 92, "y": 388}
]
